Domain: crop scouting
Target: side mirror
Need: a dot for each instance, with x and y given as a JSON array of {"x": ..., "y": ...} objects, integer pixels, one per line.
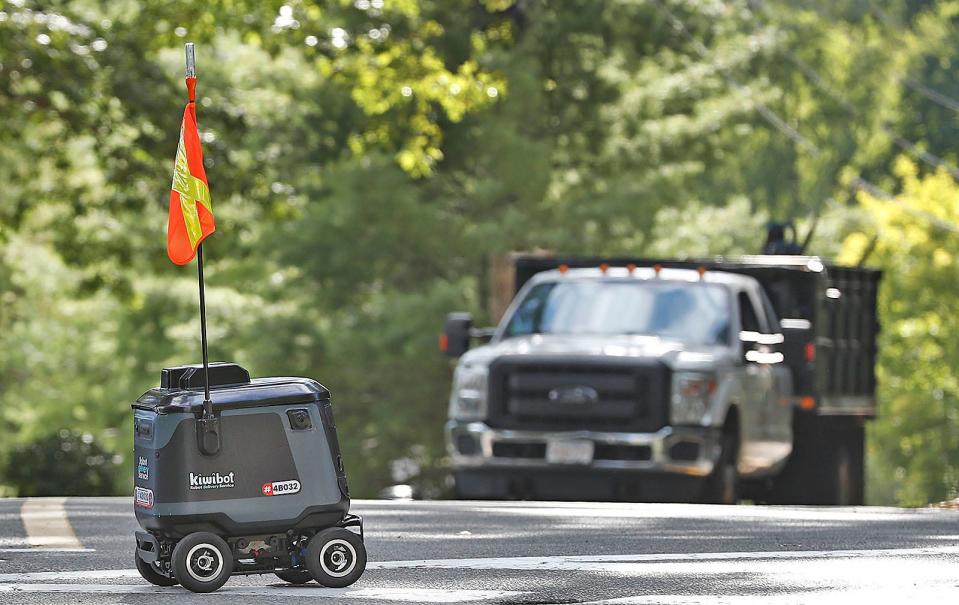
[
  {"x": 455, "y": 339},
  {"x": 484, "y": 335}
]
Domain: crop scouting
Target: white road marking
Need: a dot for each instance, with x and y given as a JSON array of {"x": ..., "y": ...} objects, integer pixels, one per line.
[
  {"x": 625, "y": 563},
  {"x": 45, "y": 521},
  {"x": 95, "y": 574},
  {"x": 918, "y": 595},
  {"x": 412, "y": 595},
  {"x": 650, "y": 510},
  {"x": 855, "y": 580},
  {"x": 607, "y": 563},
  {"x": 47, "y": 550}
]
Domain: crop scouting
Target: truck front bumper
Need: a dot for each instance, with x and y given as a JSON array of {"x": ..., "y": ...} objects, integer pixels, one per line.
[{"x": 687, "y": 451}]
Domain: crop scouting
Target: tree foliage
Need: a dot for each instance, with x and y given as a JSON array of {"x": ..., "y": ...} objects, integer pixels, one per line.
[
  {"x": 367, "y": 158},
  {"x": 915, "y": 446}
]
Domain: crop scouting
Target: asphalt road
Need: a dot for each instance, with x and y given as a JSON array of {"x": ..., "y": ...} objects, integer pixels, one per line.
[{"x": 79, "y": 550}]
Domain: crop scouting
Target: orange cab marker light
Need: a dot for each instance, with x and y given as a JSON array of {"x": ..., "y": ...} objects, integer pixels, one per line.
[
  {"x": 630, "y": 267},
  {"x": 657, "y": 269},
  {"x": 563, "y": 268},
  {"x": 807, "y": 402},
  {"x": 604, "y": 268},
  {"x": 701, "y": 271},
  {"x": 444, "y": 343}
]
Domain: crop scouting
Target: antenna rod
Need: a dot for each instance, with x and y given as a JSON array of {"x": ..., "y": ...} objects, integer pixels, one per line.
[
  {"x": 190, "y": 60},
  {"x": 207, "y": 402},
  {"x": 209, "y": 439}
]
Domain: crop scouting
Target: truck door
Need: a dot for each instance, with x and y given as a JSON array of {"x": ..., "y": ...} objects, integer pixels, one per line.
[
  {"x": 779, "y": 404},
  {"x": 759, "y": 448}
]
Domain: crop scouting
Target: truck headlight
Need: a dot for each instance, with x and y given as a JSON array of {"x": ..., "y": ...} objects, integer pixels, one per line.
[
  {"x": 691, "y": 393},
  {"x": 468, "y": 399}
]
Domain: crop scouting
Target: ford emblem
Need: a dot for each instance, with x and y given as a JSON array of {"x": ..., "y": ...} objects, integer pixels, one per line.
[{"x": 579, "y": 395}]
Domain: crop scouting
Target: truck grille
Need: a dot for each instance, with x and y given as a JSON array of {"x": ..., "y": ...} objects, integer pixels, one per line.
[{"x": 567, "y": 394}]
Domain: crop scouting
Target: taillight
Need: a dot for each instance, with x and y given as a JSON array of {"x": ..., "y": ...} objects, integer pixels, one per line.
[
  {"x": 810, "y": 351},
  {"x": 444, "y": 343}
]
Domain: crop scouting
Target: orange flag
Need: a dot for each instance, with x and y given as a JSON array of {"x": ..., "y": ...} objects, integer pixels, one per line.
[{"x": 191, "y": 208}]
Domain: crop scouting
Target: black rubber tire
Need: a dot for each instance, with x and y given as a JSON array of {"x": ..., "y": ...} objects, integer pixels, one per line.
[
  {"x": 151, "y": 574},
  {"x": 842, "y": 472},
  {"x": 826, "y": 466},
  {"x": 722, "y": 486},
  {"x": 196, "y": 546},
  {"x": 325, "y": 551},
  {"x": 295, "y": 576}
]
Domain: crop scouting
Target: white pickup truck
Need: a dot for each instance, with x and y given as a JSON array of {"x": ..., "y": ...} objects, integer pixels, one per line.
[{"x": 642, "y": 381}]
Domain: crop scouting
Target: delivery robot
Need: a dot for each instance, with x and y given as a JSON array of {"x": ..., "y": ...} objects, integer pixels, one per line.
[{"x": 250, "y": 481}]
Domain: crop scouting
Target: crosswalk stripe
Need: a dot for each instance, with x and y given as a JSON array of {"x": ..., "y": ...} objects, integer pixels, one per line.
[
  {"x": 93, "y": 574},
  {"x": 410, "y": 595},
  {"x": 45, "y": 521},
  {"x": 914, "y": 594},
  {"x": 616, "y": 563},
  {"x": 45, "y": 550}
]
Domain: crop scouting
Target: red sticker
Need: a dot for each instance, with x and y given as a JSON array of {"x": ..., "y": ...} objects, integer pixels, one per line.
[{"x": 267, "y": 489}]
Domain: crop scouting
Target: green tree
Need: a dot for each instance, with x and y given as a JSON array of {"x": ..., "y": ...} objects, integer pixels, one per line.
[
  {"x": 367, "y": 158},
  {"x": 914, "y": 445}
]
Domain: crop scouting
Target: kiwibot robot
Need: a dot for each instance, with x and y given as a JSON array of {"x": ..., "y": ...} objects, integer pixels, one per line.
[{"x": 250, "y": 483}]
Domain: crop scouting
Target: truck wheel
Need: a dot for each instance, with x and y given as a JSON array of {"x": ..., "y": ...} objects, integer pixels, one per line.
[
  {"x": 843, "y": 488},
  {"x": 202, "y": 562},
  {"x": 336, "y": 557},
  {"x": 150, "y": 573},
  {"x": 294, "y": 576},
  {"x": 722, "y": 486},
  {"x": 826, "y": 466}
]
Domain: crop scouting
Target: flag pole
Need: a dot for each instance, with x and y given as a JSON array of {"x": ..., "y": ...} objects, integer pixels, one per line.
[
  {"x": 207, "y": 403},
  {"x": 209, "y": 433}
]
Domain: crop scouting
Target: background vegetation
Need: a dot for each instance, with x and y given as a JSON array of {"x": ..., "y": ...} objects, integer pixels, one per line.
[{"x": 367, "y": 158}]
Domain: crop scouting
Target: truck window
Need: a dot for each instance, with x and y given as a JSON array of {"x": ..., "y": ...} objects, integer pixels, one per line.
[
  {"x": 772, "y": 318},
  {"x": 792, "y": 296},
  {"x": 529, "y": 315},
  {"x": 747, "y": 314},
  {"x": 696, "y": 313}
]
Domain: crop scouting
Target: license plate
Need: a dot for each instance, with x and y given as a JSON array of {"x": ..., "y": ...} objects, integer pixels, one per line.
[{"x": 569, "y": 452}]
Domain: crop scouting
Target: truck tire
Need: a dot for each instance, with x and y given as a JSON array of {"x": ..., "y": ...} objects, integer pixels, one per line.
[
  {"x": 722, "y": 486},
  {"x": 843, "y": 476},
  {"x": 826, "y": 466}
]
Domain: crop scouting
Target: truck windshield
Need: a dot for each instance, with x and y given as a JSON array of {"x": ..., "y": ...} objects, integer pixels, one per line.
[{"x": 695, "y": 313}]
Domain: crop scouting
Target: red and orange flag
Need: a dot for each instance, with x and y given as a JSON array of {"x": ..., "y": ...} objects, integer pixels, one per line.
[{"x": 191, "y": 208}]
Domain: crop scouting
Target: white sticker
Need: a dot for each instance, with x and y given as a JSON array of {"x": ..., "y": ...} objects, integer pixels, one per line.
[
  {"x": 144, "y": 497},
  {"x": 280, "y": 488}
]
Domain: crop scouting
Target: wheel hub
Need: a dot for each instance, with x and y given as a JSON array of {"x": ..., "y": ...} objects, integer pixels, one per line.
[
  {"x": 338, "y": 558},
  {"x": 204, "y": 562}
]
